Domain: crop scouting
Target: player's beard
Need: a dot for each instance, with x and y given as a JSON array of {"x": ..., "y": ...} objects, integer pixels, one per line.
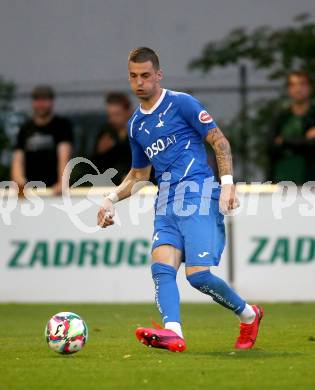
[{"x": 145, "y": 96}]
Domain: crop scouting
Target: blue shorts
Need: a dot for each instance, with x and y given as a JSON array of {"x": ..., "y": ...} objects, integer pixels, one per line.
[{"x": 201, "y": 238}]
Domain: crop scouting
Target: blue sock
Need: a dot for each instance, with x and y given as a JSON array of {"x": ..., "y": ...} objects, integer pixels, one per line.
[
  {"x": 166, "y": 292},
  {"x": 220, "y": 292}
]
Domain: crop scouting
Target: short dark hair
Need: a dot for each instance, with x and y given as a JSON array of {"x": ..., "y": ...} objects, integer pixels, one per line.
[
  {"x": 43, "y": 92},
  {"x": 299, "y": 73},
  {"x": 144, "y": 54},
  {"x": 118, "y": 98}
]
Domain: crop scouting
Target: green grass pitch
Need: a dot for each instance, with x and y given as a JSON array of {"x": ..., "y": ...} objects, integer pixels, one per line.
[{"x": 283, "y": 358}]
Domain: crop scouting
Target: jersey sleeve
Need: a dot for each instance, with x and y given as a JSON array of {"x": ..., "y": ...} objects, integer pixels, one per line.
[
  {"x": 139, "y": 158},
  {"x": 195, "y": 114}
]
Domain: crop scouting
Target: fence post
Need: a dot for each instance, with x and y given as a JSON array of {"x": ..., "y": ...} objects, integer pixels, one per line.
[{"x": 243, "y": 88}]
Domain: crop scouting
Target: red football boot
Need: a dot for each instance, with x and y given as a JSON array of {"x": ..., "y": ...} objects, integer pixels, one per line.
[
  {"x": 161, "y": 338},
  {"x": 249, "y": 332}
]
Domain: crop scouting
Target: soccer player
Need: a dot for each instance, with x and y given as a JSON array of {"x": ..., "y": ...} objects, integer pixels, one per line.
[{"x": 167, "y": 131}]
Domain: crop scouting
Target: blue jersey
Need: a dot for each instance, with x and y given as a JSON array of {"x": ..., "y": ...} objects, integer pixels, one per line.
[{"x": 169, "y": 137}]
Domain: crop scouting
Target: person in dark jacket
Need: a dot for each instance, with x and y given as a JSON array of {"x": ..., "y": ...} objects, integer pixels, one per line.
[{"x": 292, "y": 149}]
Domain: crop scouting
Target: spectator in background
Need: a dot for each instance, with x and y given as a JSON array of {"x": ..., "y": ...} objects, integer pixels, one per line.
[
  {"x": 44, "y": 144},
  {"x": 292, "y": 151},
  {"x": 112, "y": 148}
]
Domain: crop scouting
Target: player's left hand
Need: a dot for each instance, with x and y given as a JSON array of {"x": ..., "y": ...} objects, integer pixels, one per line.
[{"x": 228, "y": 199}]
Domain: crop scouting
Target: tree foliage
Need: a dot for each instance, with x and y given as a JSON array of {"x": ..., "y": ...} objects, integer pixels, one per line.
[{"x": 276, "y": 51}]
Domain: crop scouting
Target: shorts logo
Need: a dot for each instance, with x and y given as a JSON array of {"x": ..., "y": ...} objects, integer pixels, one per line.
[
  {"x": 204, "y": 117},
  {"x": 204, "y": 254}
]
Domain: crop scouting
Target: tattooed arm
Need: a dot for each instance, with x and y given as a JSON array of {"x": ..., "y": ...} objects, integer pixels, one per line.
[{"x": 222, "y": 150}]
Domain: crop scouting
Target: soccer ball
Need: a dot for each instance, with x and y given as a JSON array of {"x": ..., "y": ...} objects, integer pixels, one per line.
[{"x": 66, "y": 333}]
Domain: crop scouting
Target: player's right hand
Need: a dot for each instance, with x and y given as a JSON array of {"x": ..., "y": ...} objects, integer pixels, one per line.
[
  {"x": 106, "y": 214},
  {"x": 228, "y": 199}
]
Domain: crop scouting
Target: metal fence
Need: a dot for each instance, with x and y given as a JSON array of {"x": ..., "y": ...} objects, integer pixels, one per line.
[{"x": 85, "y": 108}]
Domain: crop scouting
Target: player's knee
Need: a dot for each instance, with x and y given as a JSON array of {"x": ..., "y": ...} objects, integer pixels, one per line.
[
  {"x": 199, "y": 278},
  {"x": 196, "y": 275},
  {"x": 162, "y": 273}
]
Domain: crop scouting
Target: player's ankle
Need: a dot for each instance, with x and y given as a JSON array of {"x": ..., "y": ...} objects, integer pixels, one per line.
[
  {"x": 175, "y": 327},
  {"x": 248, "y": 315}
]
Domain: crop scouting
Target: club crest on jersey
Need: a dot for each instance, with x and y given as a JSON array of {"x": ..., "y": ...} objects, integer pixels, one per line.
[
  {"x": 204, "y": 117},
  {"x": 161, "y": 123}
]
